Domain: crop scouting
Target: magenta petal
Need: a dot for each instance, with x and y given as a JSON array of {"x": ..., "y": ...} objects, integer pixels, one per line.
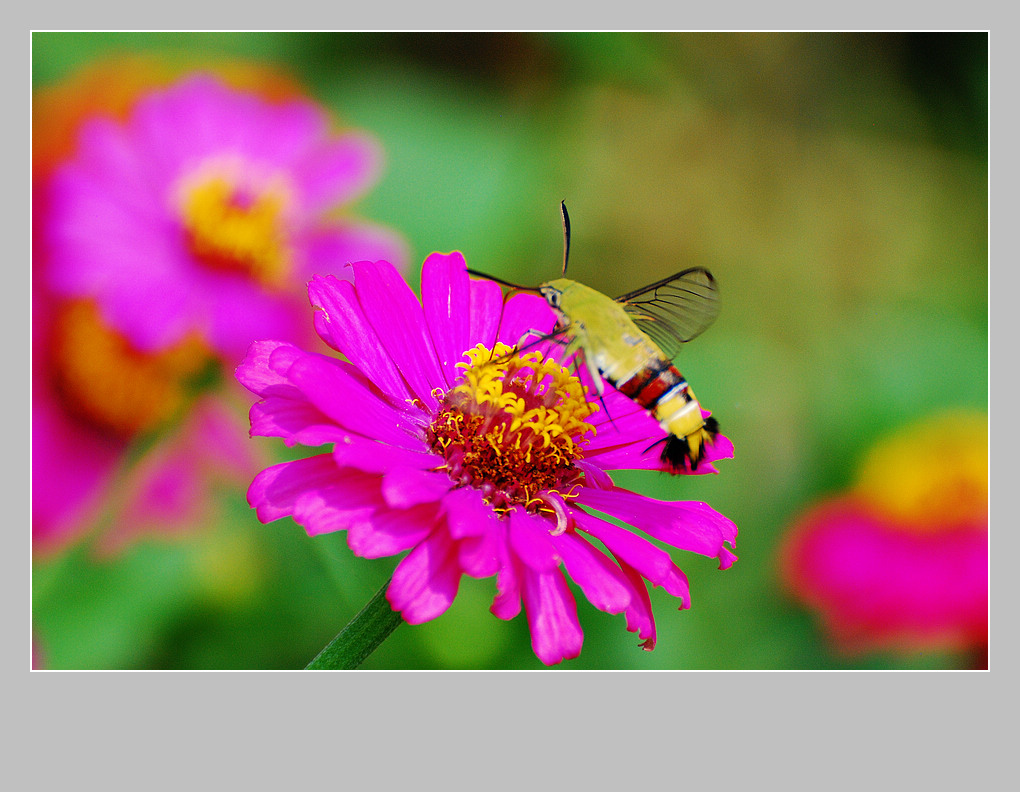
[
  {"x": 105, "y": 221},
  {"x": 72, "y": 471},
  {"x": 284, "y": 410},
  {"x": 255, "y": 371},
  {"x": 467, "y": 514},
  {"x": 404, "y": 487},
  {"x": 688, "y": 525},
  {"x": 319, "y": 495},
  {"x": 396, "y": 316},
  {"x": 507, "y": 603},
  {"x": 153, "y": 312},
  {"x": 460, "y": 313},
  {"x": 106, "y": 158},
  {"x": 654, "y": 564},
  {"x": 486, "y": 312},
  {"x": 531, "y": 542},
  {"x": 391, "y": 531},
  {"x": 282, "y": 133},
  {"x": 721, "y": 448},
  {"x": 193, "y": 118},
  {"x": 472, "y": 522},
  {"x": 599, "y": 578},
  {"x": 297, "y": 422},
  {"x": 552, "y": 615},
  {"x": 726, "y": 558},
  {"x": 334, "y": 391},
  {"x": 371, "y": 456},
  {"x": 232, "y": 311},
  {"x": 339, "y": 171},
  {"x": 425, "y": 583},
  {"x": 322, "y": 388},
  {"x": 594, "y": 476},
  {"x": 639, "y": 612},
  {"x": 446, "y": 300},
  {"x": 479, "y": 555},
  {"x": 876, "y": 584},
  {"x": 341, "y": 322}
]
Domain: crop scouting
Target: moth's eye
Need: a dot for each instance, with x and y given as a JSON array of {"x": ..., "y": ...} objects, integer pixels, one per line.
[{"x": 554, "y": 298}]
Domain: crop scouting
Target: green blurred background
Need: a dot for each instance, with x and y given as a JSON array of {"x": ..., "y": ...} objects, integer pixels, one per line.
[{"x": 836, "y": 185}]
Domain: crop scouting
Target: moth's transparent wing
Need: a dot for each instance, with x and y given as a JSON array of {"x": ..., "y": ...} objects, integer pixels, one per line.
[{"x": 676, "y": 309}]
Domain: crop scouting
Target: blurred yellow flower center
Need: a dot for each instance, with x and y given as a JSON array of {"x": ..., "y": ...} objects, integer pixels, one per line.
[
  {"x": 233, "y": 226},
  {"x": 933, "y": 476},
  {"x": 513, "y": 428},
  {"x": 105, "y": 381}
]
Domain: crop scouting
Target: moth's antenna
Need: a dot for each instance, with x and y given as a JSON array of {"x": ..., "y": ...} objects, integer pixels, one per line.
[{"x": 566, "y": 236}]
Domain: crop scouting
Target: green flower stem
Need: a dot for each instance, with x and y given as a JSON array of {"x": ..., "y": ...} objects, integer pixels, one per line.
[{"x": 360, "y": 637}]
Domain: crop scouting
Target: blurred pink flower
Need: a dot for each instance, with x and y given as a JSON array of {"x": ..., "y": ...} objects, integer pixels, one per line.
[
  {"x": 900, "y": 562},
  {"x": 476, "y": 461},
  {"x": 93, "y": 398},
  {"x": 204, "y": 210},
  {"x": 173, "y": 223}
]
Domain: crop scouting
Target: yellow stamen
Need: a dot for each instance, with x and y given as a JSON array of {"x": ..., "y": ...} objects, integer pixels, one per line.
[
  {"x": 238, "y": 225},
  {"x": 513, "y": 428}
]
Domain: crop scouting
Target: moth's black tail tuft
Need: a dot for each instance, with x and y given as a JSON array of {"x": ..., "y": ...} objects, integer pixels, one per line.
[
  {"x": 675, "y": 451},
  {"x": 679, "y": 451}
]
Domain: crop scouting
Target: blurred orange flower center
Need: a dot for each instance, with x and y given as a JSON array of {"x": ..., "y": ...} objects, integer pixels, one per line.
[
  {"x": 105, "y": 381},
  {"x": 513, "y": 428},
  {"x": 238, "y": 225},
  {"x": 933, "y": 476}
]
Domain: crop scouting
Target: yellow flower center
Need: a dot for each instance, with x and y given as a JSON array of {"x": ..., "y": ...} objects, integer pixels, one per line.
[
  {"x": 932, "y": 476},
  {"x": 236, "y": 221},
  {"x": 513, "y": 428},
  {"x": 101, "y": 378}
]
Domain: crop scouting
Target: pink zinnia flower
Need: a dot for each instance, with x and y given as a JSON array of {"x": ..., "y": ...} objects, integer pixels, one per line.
[
  {"x": 200, "y": 212},
  {"x": 474, "y": 460},
  {"x": 171, "y": 227},
  {"x": 93, "y": 397},
  {"x": 900, "y": 561}
]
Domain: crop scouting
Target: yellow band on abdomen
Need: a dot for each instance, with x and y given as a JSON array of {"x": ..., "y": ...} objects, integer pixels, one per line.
[{"x": 679, "y": 416}]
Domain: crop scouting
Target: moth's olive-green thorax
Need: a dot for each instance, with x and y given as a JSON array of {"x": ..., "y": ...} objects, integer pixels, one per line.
[{"x": 598, "y": 324}]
